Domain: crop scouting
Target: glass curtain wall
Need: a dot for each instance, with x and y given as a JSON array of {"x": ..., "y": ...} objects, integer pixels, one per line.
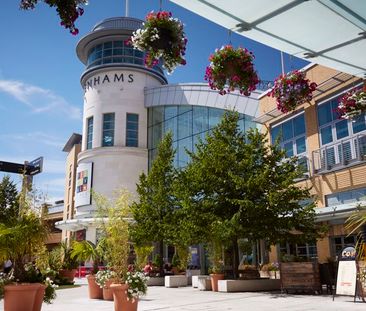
[{"x": 188, "y": 124}]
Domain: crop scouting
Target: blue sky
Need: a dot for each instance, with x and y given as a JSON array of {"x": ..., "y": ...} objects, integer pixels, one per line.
[{"x": 40, "y": 95}]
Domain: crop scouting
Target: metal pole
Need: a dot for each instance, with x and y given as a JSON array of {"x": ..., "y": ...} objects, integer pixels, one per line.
[
  {"x": 282, "y": 62},
  {"x": 127, "y": 7}
]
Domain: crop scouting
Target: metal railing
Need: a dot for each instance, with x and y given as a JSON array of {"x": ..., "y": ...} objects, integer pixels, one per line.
[{"x": 340, "y": 154}]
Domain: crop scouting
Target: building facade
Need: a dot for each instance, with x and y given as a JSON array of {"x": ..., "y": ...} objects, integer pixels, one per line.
[
  {"x": 127, "y": 110},
  {"x": 333, "y": 153}
]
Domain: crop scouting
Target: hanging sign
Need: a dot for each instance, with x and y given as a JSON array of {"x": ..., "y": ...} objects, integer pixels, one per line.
[{"x": 347, "y": 272}]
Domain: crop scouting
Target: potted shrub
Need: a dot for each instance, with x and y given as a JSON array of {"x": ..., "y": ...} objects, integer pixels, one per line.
[
  {"x": 25, "y": 287},
  {"x": 291, "y": 90},
  {"x": 162, "y": 36},
  {"x": 274, "y": 270},
  {"x": 69, "y": 263},
  {"x": 88, "y": 251},
  {"x": 216, "y": 269},
  {"x": 116, "y": 231},
  {"x": 352, "y": 104},
  {"x": 175, "y": 264},
  {"x": 232, "y": 69}
]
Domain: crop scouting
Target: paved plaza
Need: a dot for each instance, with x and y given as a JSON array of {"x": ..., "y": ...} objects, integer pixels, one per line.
[{"x": 187, "y": 298}]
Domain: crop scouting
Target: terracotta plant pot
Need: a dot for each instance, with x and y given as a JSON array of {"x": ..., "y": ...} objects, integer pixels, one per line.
[
  {"x": 68, "y": 274},
  {"x": 20, "y": 297},
  {"x": 107, "y": 291},
  {"x": 121, "y": 301},
  {"x": 214, "y": 281},
  {"x": 95, "y": 292},
  {"x": 38, "y": 299}
]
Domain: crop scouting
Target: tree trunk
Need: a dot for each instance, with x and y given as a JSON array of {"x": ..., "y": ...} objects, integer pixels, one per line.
[{"x": 235, "y": 258}]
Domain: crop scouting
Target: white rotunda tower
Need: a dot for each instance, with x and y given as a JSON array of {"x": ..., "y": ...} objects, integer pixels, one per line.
[{"x": 114, "y": 144}]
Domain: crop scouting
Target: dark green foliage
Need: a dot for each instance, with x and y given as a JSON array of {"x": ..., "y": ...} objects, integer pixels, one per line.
[
  {"x": 9, "y": 200},
  {"x": 238, "y": 186},
  {"x": 175, "y": 261},
  {"x": 153, "y": 213},
  {"x": 158, "y": 260}
]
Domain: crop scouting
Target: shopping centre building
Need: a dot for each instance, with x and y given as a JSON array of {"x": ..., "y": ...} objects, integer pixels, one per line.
[
  {"x": 332, "y": 150},
  {"x": 128, "y": 108}
]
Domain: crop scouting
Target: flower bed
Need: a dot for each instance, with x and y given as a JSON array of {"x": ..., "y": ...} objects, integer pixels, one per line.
[
  {"x": 232, "y": 69},
  {"x": 291, "y": 90},
  {"x": 161, "y": 37},
  {"x": 352, "y": 104}
]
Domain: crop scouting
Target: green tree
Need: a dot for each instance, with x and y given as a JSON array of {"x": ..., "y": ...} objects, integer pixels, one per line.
[
  {"x": 154, "y": 211},
  {"x": 238, "y": 186},
  {"x": 9, "y": 200}
]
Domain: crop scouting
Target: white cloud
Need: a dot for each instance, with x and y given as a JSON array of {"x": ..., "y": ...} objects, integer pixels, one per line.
[
  {"x": 37, "y": 137},
  {"x": 39, "y": 100}
]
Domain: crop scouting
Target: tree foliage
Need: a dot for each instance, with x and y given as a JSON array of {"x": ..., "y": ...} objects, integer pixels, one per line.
[
  {"x": 154, "y": 212},
  {"x": 9, "y": 200},
  {"x": 238, "y": 185}
]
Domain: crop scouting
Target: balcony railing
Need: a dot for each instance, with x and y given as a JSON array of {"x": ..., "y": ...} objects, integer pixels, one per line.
[{"x": 340, "y": 154}]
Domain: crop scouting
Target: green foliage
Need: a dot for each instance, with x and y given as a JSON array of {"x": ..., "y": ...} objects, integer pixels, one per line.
[
  {"x": 184, "y": 256},
  {"x": 237, "y": 185},
  {"x": 215, "y": 257},
  {"x": 176, "y": 261},
  {"x": 86, "y": 251},
  {"x": 142, "y": 254},
  {"x": 68, "y": 261},
  {"x": 157, "y": 261},
  {"x": 9, "y": 200},
  {"x": 354, "y": 223},
  {"x": 153, "y": 212},
  {"x": 116, "y": 231},
  {"x": 20, "y": 240}
]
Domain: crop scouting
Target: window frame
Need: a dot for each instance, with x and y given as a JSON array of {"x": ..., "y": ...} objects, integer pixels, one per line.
[
  {"x": 105, "y": 130},
  {"x": 89, "y": 133},
  {"x": 131, "y": 130}
]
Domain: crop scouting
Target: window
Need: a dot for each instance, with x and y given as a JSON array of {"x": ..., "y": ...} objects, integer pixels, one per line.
[
  {"x": 355, "y": 195},
  {"x": 89, "y": 135},
  {"x": 338, "y": 139},
  {"x": 132, "y": 127},
  {"x": 292, "y": 138},
  {"x": 108, "y": 130},
  {"x": 298, "y": 250},
  {"x": 340, "y": 242}
]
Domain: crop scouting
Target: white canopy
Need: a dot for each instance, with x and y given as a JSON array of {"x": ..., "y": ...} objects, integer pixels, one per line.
[{"x": 327, "y": 32}]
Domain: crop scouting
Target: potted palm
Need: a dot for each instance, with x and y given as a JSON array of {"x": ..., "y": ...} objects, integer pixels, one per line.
[
  {"x": 69, "y": 263},
  {"x": 26, "y": 287},
  {"x": 88, "y": 251}
]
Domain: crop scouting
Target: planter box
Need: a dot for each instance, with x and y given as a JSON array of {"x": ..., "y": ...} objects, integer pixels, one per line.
[
  {"x": 176, "y": 281},
  {"x": 248, "y": 285},
  {"x": 204, "y": 282},
  {"x": 156, "y": 281},
  {"x": 190, "y": 274},
  {"x": 300, "y": 276},
  {"x": 195, "y": 280}
]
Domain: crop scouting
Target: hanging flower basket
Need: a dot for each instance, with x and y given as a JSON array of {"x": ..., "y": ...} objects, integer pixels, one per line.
[
  {"x": 162, "y": 36},
  {"x": 291, "y": 90},
  {"x": 68, "y": 10},
  {"x": 232, "y": 69},
  {"x": 352, "y": 104}
]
